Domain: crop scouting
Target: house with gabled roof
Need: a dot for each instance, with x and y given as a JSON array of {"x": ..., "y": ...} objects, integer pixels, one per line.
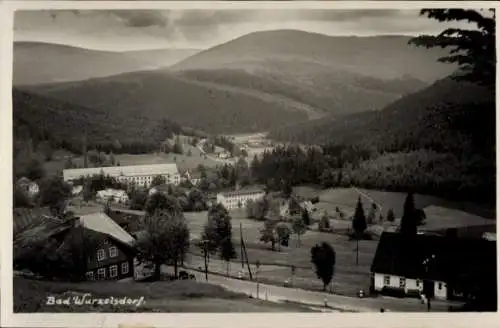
[
  {"x": 443, "y": 267},
  {"x": 112, "y": 251}
]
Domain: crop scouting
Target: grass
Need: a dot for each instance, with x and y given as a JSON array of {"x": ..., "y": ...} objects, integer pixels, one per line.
[
  {"x": 174, "y": 296},
  {"x": 275, "y": 269},
  {"x": 183, "y": 161}
]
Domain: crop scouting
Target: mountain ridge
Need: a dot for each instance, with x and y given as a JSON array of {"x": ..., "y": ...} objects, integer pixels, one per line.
[
  {"x": 63, "y": 63},
  {"x": 376, "y": 56}
]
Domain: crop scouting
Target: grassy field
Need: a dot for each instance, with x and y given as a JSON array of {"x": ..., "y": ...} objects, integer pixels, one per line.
[
  {"x": 177, "y": 296},
  {"x": 275, "y": 267},
  {"x": 349, "y": 276},
  {"x": 346, "y": 199},
  {"x": 183, "y": 161}
]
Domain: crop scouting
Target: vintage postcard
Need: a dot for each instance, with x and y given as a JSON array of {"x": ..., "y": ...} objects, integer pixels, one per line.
[{"x": 206, "y": 163}]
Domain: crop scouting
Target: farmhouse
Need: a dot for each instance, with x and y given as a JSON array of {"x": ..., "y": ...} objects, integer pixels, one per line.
[
  {"x": 31, "y": 188},
  {"x": 239, "y": 198},
  {"x": 111, "y": 251},
  {"x": 113, "y": 254},
  {"x": 113, "y": 195},
  {"x": 446, "y": 268},
  {"x": 140, "y": 175}
]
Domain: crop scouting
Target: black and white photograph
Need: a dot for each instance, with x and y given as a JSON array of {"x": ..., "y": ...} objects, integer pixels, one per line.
[{"x": 240, "y": 159}]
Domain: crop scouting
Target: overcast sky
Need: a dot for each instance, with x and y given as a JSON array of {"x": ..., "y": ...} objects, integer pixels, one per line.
[{"x": 135, "y": 30}]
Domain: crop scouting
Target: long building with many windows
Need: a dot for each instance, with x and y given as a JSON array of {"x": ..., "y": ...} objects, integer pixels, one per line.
[
  {"x": 239, "y": 198},
  {"x": 140, "y": 175}
]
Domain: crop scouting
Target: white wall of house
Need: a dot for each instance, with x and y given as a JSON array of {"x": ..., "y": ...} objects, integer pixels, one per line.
[
  {"x": 232, "y": 202},
  {"x": 391, "y": 281},
  {"x": 440, "y": 290},
  {"x": 145, "y": 180}
]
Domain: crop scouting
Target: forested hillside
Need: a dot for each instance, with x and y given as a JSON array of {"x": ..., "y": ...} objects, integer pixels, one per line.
[
  {"x": 159, "y": 94},
  {"x": 440, "y": 140},
  {"x": 40, "y": 120},
  {"x": 447, "y": 116},
  {"x": 325, "y": 89}
]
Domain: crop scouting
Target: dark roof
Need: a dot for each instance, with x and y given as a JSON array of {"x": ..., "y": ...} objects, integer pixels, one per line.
[
  {"x": 243, "y": 191},
  {"x": 453, "y": 256}
]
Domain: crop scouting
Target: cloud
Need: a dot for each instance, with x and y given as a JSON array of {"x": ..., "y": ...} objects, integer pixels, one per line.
[
  {"x": 205, "y": 28},
  {"x": 198, "y": 24},
  {"x": 141, "y": 18},
  {"x": 206, "y": 18}
]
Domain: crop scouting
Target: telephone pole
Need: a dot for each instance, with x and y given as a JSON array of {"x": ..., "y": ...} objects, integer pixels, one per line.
[
  {"x": 257, "y": 265},
  {"x": 205, "y": 254},
  {"x": 241, "y": 247}
]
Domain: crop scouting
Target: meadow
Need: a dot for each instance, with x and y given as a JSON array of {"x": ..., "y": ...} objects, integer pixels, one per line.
[
  {"x": 349, "y": 277},
  {"x": 276, "y": 265},
  {"x": 161, "y": 296},
  {"x": 184, "y": 161}
]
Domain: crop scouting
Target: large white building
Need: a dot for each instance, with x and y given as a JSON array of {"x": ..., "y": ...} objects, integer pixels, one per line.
[
  {"x": 141, "y": 175},
  {"x": 239, "y": 198}
]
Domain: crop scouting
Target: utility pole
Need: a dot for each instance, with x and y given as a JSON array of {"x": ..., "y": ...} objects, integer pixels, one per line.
[
  {"x": 257, "y": 265},
  {"x": 205, "y": 254},
  {"x": 427, "y": 293},
  {"x": 241, "y": 246},
  {"x": 244, "y": 253}
]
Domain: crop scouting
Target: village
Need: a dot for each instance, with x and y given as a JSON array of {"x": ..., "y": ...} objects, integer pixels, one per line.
[
  {"x": 187, "y": 160},
  {"x": 370, "y": 271}
]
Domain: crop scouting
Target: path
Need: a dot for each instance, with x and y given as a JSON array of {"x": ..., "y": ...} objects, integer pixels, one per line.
[{"x": 344, "y": 303}]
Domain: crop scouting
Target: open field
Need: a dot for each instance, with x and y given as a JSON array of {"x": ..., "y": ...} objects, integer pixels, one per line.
[
  {"x": 163, "y": 296},
  {"x": 346, "y": 199},
  {"x": 275, "y": 267},
  {"x": 184, "y": 162},
  {"x": 349, "y": 277}
]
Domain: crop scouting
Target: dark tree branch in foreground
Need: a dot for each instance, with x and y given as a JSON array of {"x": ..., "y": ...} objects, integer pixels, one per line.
[{"x": 472, "y": 49}]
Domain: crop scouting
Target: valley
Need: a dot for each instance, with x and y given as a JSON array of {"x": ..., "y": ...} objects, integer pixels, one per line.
[{"x": 282, "y": 170}]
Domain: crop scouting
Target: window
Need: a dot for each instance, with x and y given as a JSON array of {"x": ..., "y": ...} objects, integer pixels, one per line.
[
  {"x": 418, "y": 283},
  {"x": 101, "y": 274},
  {"x": 402, "y": 282},
  {"x": 90, "y": 275},
  {"x": 113, "y": 271},
  {"x": 440, "y": 286},
  {"x": 124, "y": 267},
  {"x": 106, "y": 241},
  {"x": 113, "y": 251},
  {"x": 101, "y": 255},
  {"x": 387, "y": 280}
]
